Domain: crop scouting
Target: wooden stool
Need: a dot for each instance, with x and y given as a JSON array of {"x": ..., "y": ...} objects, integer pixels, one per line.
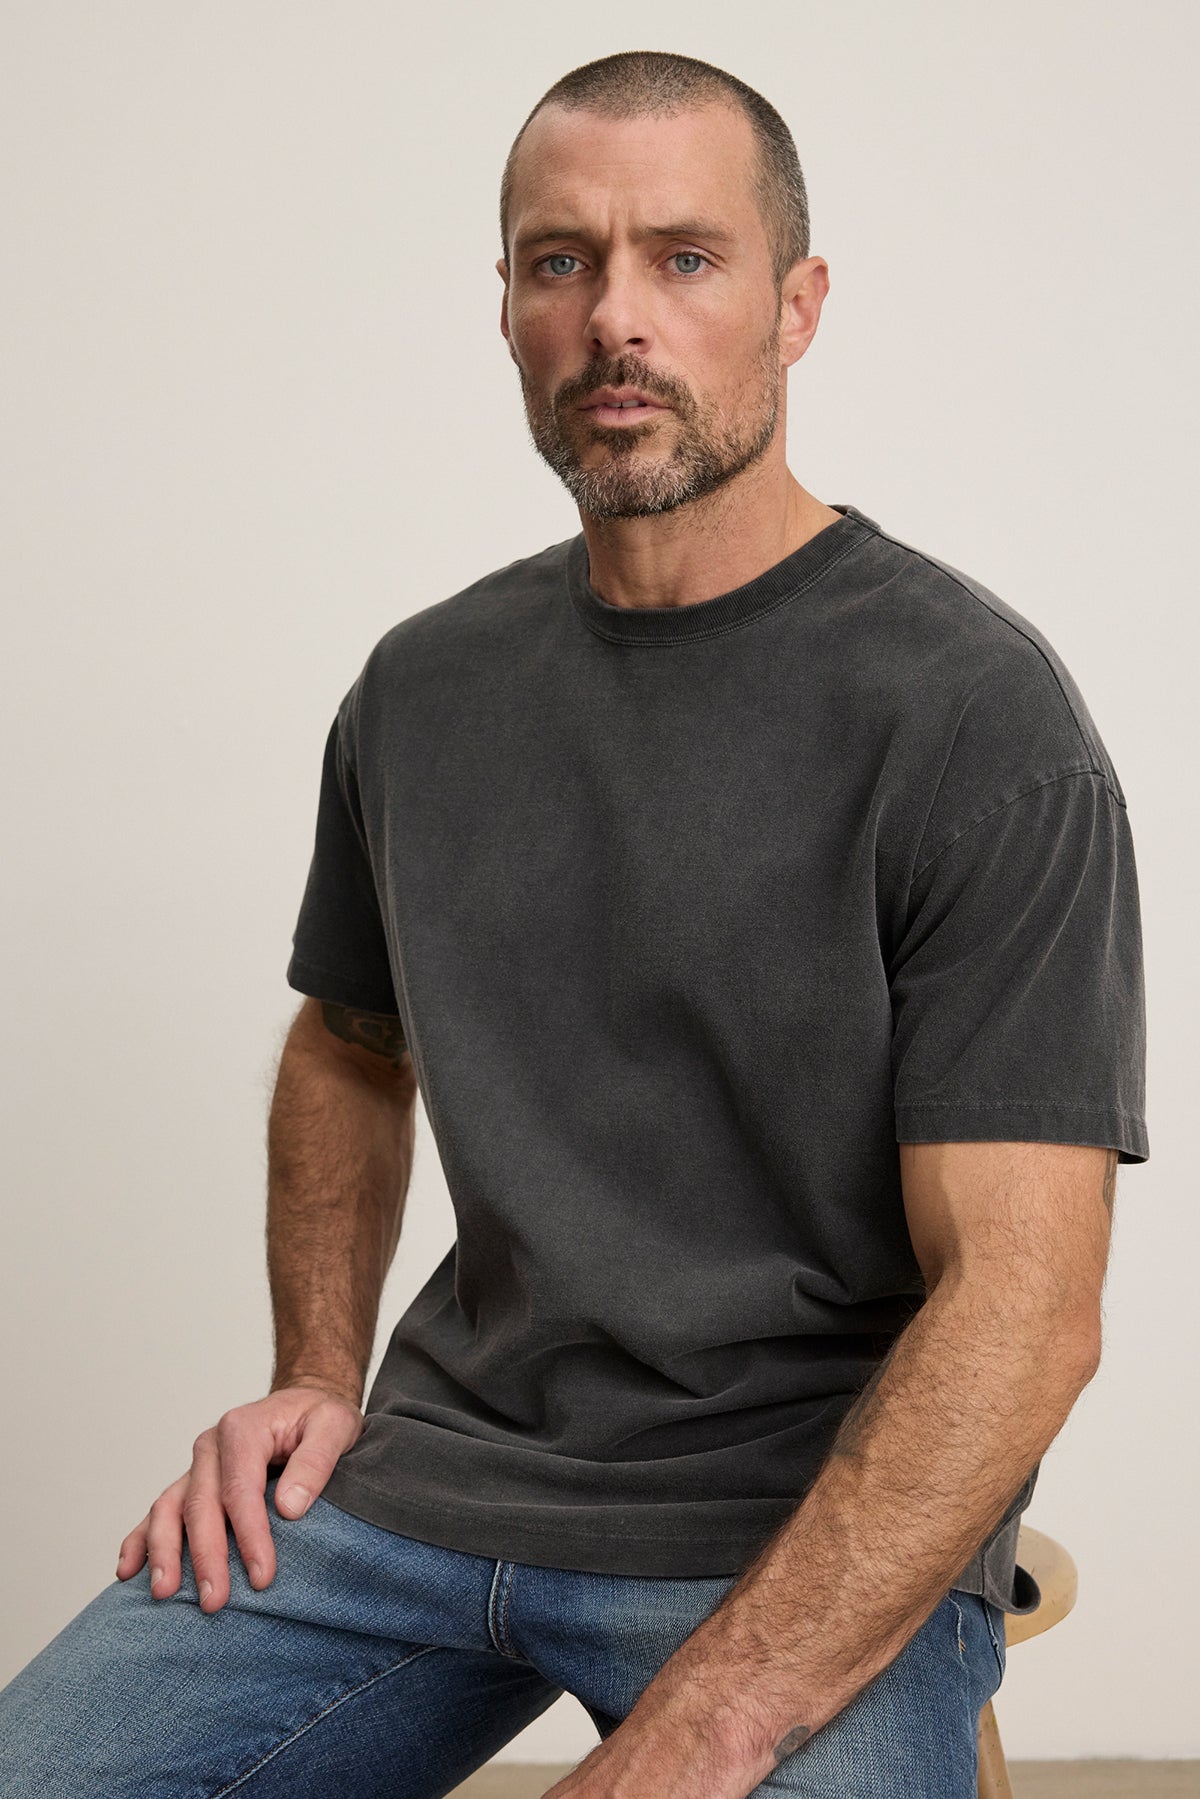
[{"x": 1058, "y": 1579}]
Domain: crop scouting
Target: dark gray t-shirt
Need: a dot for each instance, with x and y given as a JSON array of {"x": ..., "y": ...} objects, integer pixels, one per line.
[{"x": 690, "y": 915}]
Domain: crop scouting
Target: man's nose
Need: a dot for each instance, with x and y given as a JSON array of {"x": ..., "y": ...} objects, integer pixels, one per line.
[{"x": 621, "y": 317}]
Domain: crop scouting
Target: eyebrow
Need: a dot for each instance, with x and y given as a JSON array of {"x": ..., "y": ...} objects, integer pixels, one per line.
[{"x": 712, "y": 233}]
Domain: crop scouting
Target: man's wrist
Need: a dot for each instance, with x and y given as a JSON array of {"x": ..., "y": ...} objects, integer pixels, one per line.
[{"x": 348, "y": 1387}]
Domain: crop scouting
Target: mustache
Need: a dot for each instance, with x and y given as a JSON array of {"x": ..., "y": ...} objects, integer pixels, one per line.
[{"x": 572, "y": 393}]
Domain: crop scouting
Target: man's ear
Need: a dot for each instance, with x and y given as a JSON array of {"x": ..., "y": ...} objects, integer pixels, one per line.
[
  {"x": 801, "y": 298},
  {"x": 502, "y": 271}
]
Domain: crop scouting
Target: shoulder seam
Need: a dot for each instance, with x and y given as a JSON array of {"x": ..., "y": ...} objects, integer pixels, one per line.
[
  {"x": 956, "y": 580},
  {"x": 1067, "y": 774}
]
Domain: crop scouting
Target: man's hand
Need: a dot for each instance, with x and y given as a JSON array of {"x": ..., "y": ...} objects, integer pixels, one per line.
[
  {"x": 307, "y": 1426},
  {"x": 704, "y": 1728}
]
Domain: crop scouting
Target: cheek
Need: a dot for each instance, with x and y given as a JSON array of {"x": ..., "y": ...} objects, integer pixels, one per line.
[
  {"x": 540, "y": 329},
  {"x": 712, "y": 347}
]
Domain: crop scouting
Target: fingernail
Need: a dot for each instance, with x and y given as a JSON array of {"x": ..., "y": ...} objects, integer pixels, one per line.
[
  {"x": 155, "y": 1574},
  {"x": 296, "y": 1498},
  {"x": 256, "y": 1573},
  {"x": 205, "y": 1590}
]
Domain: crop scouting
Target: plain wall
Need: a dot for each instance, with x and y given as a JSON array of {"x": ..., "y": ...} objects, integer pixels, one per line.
[{"x": 256, "y": 407}]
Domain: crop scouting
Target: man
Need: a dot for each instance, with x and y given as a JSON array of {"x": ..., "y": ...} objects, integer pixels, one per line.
[{"x": 751, "y": 898}]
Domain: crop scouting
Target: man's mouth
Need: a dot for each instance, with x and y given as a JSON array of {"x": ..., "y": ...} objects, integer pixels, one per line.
[
  {"x": 620, "y": 415},
  {"x": 620, "y": 412}
]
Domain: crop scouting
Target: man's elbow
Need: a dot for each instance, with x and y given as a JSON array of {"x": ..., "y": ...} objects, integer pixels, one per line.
[
  {"x": 1072, "y": 1349},
  {"x": 1056, "y": 1332}
]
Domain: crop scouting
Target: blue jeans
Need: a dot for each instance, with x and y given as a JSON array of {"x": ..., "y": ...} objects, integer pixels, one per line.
[{"x": 375, "y": 1664}]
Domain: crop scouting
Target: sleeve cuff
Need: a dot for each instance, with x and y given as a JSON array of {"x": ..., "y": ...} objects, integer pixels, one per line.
[
  {"x": 950, "y": 1121},
  {"x": 340, "y": 989}
]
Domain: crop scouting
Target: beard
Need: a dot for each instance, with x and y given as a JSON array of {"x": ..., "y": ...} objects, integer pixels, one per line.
[{"x": 635, "y": 479}]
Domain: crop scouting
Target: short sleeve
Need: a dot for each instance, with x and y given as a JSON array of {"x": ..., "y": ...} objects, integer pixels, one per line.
[
  {"x": 339, "y": 945},
  {"x": 1017, "y": 990}
]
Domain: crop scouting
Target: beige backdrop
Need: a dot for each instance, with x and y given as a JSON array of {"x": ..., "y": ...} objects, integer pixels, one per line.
[{"x": 256, "y": 407}]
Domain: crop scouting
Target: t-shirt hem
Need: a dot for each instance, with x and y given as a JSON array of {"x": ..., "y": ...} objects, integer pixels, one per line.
[
  {"x": 500, "y": 1533},
  {"x": 680, "y": 1553}
]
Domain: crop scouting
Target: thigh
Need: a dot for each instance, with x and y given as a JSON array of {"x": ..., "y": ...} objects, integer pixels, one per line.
[
  {"x": 914, "y": 1728},
  {"x": 285, "y": 1691}
]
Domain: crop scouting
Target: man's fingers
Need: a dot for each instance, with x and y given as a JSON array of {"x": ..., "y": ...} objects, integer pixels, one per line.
[
  {"x": 204, "y": 1521},
  {"x": 164, "y": 1542},
  {"x": 132, "y": 1552},
  {"x": 158, "y": 1539},
  {"x": 246, "y": 1444},
  {"x": 226, "y": 1486},
  {"x": 328, "y": 1431}
]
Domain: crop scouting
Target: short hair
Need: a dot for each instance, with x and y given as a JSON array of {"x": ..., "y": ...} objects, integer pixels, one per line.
[{"x": 641, "y": 83}]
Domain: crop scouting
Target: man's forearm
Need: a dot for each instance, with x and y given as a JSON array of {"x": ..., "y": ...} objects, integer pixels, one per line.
[
  {"x": 926, "y": 1463},
  {"x": 339, "y": 1148}
]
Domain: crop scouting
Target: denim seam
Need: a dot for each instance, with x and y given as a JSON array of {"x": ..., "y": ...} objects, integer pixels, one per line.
[
  {"x": 512, "y": 1581},
  {"x": 498, "y": 1597},
  {"x": 958, "y": 1625},
  {"x": 323, "y": 1713},
  {"x": 999, "y": 1654}
]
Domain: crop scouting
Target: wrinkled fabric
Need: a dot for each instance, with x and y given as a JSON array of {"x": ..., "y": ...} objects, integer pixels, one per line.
[{"x": 690, "y": 915}]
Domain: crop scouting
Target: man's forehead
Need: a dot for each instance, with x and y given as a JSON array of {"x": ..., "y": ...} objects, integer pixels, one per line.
[{"x": 695, "y": 162}]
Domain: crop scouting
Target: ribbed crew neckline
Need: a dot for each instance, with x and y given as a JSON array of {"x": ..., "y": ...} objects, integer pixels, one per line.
[{"x": 724, "y": 611}]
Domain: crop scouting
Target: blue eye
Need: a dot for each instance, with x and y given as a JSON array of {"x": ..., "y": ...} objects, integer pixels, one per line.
[{"x": 565, "y": 256}]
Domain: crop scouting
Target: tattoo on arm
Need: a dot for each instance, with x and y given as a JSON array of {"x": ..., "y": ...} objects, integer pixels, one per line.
[
  {"x": 377, "y": 1031},
  {"x": 800, "y": 1733}
]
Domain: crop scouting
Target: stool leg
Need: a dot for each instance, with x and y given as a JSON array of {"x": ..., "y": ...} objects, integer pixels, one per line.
[{"x": 993, "y": 1769}]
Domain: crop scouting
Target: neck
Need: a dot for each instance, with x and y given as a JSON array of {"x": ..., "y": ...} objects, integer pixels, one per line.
[{"x": 703, "y": 549}]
